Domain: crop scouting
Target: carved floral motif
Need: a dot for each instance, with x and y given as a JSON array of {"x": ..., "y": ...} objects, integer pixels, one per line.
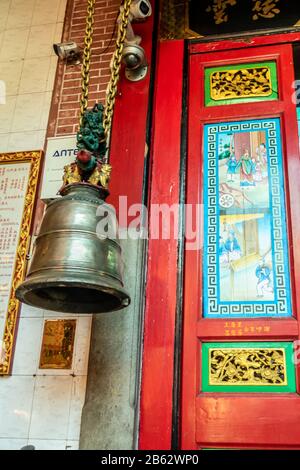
[
  {"x": 247, "y": 367},
  {"x": 241, "y": 83}
]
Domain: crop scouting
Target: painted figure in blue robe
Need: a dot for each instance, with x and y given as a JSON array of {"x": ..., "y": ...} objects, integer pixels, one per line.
[
  {"x": 223, "y": 253},
  {"x": 263, "y": 274},
  {"x": 231, "y": 167},
  {"x": 233, "y": 247},
  {"x": 247, "y": 169}
]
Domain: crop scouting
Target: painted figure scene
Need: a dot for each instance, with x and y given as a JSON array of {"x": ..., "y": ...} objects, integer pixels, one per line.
[
  {"x": 245, "y": 250},
  {"x": 245, "y": 258},
  {"x": 243, "y": 170}
]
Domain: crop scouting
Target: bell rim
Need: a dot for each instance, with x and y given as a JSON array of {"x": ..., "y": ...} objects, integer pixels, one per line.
[{"x": 30, "y": 285}]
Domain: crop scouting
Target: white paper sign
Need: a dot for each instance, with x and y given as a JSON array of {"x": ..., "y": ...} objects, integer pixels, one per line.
[
  {"x": 13, "y": 188},
  {"x": 60, "y": 152}
]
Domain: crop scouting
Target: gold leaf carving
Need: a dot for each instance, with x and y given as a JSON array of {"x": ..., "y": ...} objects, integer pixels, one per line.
[
  {"x": 241, "y": 83},
  {"x": 58, "y": 344},
  {"x": 247, "y": 366}
]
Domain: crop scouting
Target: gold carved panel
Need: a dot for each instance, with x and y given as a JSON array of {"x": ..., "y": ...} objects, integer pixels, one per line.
[
  {"x": 247, "y": 366},
  {"x": 58, "y": 344},
  {"x": 19, "y": 173},
  {"x": 241, "y": 83}
]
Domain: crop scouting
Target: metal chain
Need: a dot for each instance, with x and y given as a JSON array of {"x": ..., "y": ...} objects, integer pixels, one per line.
[
  {"x": 86, "y": 62},
  {"x": 115, "y": 69},
  {"x": 115, "y": 64}
]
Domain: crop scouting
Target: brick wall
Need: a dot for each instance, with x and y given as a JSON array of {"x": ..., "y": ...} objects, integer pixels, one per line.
[{"x": 65, "y": 113}]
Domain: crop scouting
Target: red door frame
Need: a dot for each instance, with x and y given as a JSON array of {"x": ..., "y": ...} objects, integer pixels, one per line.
[
  {"x": 128, "y": 140},
  {"x": 158, "y": 355},
  {"x": 159, "y": 333},
  {"x": 196, "y": 426}
]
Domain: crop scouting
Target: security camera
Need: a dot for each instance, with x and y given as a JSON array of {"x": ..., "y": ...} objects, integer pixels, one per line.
[
  {"x": 135, "y": 62},
  {"x": 68, "y": 51},
  {"x": 133, "y": 56},
  {"x": 140, "y": 9}
]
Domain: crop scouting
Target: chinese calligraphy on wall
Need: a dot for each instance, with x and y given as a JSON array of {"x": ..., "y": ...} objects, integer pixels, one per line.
[
  {"x": 265, "y": 9},
  {"x": 13, "y": 187},
  {"x": 260, "y": 9},
  {"x": 216, "y": 17}
]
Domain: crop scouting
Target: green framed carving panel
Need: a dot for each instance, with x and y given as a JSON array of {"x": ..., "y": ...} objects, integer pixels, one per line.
[
  {"x": 241, "y": 83},
  {"x": 257, "y": 367}
]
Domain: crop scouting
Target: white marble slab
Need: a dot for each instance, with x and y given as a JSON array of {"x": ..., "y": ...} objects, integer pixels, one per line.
[
  {"x": 10, "y": 72},
  {"x": 28, "y": 346},
  {"x": 40, "y": 40},
  {"x": 31, "y": 312},
  {"x": 14, "y": 44},
  {"x": 16, "y": 394},
  {"x": 28, "y": 112},
  {"x": 4, "y": 143},
  {"x": 48, "y": 444},
  {"x": 12, "y": 444},
  {"x": 7, "y": 111},
  {"x": 72, "y": 445},
  {"x": 20, "y": 14},
  {"x": 77, "y": 402},
  {"x": 51, "y": 407},
  {"x": 82, "y": 345},
  {"x": 22, "y": 141},
  {"x": 5, "y": 4},
  {"x": 45, "y": 12},
  {"x": 51, "y": 74},
  {"x": 34, "y": 75},
  {"x": 45, "y": 109}
]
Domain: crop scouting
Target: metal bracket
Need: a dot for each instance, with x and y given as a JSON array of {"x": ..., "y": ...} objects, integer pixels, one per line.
[{"x": 135, "y": 75}]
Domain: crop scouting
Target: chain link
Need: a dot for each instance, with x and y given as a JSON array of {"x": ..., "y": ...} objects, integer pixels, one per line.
[
  {"x": 115, "y": 68},
  {"x": 86, "y": 62},
  {"x": 115, "y": 64}
]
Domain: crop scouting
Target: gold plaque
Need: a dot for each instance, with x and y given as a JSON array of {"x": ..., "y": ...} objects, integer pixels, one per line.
[{"x": 58, "y": 344}]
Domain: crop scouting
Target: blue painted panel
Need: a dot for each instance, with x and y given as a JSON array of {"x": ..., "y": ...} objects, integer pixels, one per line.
[{"x": 246, "y": 268}]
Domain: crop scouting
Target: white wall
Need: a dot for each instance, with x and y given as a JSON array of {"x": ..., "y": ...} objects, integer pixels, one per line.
[
  {"x": 28, "y": 29},
  {"x": 37, "y": 407}
]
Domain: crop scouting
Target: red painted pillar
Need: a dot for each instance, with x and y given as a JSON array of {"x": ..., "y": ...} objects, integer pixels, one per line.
[{"x": 159, "y": 336}]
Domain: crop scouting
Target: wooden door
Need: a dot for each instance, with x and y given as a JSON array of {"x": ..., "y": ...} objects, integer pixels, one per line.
[{"x": 240, "y": 378}]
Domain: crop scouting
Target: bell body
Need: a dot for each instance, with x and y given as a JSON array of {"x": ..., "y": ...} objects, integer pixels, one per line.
[{"x": 75, "y": 267}]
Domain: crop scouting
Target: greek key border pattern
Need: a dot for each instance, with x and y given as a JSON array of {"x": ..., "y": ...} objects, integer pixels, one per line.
[{"x": 281, "y": 306}]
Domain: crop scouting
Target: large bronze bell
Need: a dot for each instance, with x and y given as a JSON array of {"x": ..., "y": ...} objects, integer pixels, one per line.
[{"x": 73, "y": 268}]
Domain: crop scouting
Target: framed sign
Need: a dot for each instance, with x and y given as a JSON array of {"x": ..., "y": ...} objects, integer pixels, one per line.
[{"x": 19, "y": 173}]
